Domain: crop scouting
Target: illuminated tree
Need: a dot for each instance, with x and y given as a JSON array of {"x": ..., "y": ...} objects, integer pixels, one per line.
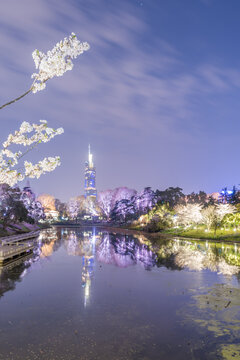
[
  {"x": 231, "y": 220},
  {"x": 123, "y": 211},
  {"x": 159, "y": 218},
  {"x": 73, "y": 208},
  {"x": 188, "y": 214},
  {"x": 224, "y": 209},
  {"x": 123, "y": 193},
  {"x": 34, "y": 208},
  {"x": 210, "y": 218},
  {"x": 107, "y": 199},
  {"x": 145, "y": 200},
  {"x": 47, "y": 201},
  {"x": 130, "y": 204},
  {"x": 213, "y": 215},
  {"x": 12, "y": 208}
]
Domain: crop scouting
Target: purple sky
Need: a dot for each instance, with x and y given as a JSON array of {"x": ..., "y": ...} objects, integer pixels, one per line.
[{"x": 157, "y": 95}]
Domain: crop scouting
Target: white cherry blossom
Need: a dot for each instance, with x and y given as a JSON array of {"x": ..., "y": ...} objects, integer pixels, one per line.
[
  {"x": 54, "y": 63},
  {"x": 29, "y": 136},
  {"x": 57, "y": 61}
]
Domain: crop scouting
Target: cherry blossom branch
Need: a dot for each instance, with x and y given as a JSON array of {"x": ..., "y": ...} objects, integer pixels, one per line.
[
  {"x": 9, "y": 159},
  {"x": 54, "y": 63}
]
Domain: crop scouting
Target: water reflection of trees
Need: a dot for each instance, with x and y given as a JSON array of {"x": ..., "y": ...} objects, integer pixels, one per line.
[
  {"x": 48, "y": 242},
  {"x": 10, "y": 276},
  {"x": 124, "y": 250},
  {"x": 13, "y": 272},
  {"x": 178, "y": 254}
]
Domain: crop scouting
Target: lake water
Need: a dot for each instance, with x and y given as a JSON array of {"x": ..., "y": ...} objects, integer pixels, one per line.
[{"x": 89, "y": 294}]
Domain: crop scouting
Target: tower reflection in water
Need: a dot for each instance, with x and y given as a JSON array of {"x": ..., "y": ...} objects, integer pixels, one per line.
[
  {"x": 119, "y": 250},
  {"x": 88, "y": 263},
  {"x": 82, "y": 243}
]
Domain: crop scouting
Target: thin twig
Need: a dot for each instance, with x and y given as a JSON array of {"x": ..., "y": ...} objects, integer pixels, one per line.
[
  {"x": 18, "y": 98},
  {"x": 29, "y": 149}
]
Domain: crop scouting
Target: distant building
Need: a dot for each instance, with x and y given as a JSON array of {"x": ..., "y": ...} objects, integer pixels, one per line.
[
  {"x": 51, "y": 214},
  {"x": 225, "y": 196},
  {"x": 90, "y": 178},
  {"x": 228, "y": 196}
]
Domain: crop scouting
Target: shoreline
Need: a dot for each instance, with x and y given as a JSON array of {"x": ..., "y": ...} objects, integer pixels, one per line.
[{"x": 151, "y": 236}]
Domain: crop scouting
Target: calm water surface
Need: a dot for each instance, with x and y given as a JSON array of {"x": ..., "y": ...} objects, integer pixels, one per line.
[{"x": 92, "y": 294}]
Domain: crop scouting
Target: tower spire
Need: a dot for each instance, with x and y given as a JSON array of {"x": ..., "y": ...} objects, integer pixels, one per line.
[
  {"x": 90, "y": 157},
  {"x": 90, "y": 177}
]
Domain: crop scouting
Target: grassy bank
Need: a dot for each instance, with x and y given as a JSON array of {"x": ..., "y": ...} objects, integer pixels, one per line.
[
  {"x": 15, "y": 229},
  {"x": 200, "y": 233},
  {"x": 195, "y": 233}
]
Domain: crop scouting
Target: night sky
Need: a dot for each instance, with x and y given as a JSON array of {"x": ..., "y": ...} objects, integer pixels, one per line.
[{"x": 157, "y": 96}]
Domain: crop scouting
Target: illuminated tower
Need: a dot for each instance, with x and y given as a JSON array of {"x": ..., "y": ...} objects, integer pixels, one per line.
[{"x": 90, "y": 178}]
